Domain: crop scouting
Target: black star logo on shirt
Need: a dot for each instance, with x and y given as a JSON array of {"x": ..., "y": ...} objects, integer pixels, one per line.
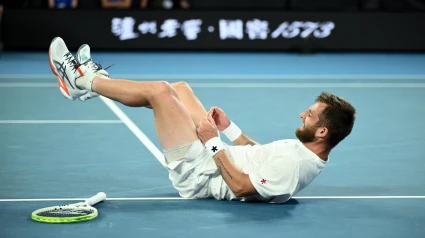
[{"x": 214, "y": 149}]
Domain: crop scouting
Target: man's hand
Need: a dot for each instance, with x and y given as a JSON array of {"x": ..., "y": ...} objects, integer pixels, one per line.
[
  {"x": 220, "y": 118},
  {"x": 207, "y": 129}
]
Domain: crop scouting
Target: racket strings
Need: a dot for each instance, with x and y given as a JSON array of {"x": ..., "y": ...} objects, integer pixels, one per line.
[{"x": 65, "y": 212}]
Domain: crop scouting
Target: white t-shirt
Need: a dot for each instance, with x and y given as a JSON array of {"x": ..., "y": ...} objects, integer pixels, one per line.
[{"x": 277, "y": 170}]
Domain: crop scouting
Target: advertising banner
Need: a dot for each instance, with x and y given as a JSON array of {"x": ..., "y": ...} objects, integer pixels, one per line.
[{"x": 215, "y": 30}]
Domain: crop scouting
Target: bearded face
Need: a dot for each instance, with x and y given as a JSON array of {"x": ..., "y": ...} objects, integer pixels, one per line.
[
  {"x": 310, "y": 118},
  {"x": 306, "y": 133}
]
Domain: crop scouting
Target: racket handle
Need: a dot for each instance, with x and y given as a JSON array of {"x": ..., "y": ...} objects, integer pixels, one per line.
[{"x": 96, "y": 198}]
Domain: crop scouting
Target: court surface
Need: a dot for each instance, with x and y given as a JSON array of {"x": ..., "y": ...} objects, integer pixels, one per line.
[{"x": 55, "y": 151}]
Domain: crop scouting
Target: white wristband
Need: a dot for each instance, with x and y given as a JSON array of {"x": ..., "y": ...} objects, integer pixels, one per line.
[
  {"x": 214, "y": 145},
  {"x": 232, "y": 132}
]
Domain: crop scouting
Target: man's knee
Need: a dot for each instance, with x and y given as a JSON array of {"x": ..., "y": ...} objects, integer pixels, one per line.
[
  {"x": 165, "y": 89},
  {"x": 181, "y": 86}
]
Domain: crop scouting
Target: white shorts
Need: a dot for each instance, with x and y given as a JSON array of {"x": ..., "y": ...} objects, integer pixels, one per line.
[{"x": 191, "y": 170}]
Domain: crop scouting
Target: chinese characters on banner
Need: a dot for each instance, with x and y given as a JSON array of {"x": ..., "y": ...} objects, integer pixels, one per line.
[{"x": 255, "y": 29}]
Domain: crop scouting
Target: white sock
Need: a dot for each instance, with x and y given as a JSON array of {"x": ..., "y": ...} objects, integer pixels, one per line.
[{"x": 86, "y": 80}]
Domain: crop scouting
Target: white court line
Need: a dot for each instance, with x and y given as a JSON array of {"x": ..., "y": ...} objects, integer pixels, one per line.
[
  {"x": 28, "y": 85},
  {"x": 179, "y": 198},
  {"x": 59, "y": 121},
  {"x": 307, "y": 85},
  {"x": 254, "y": 85},
  {"x": 82, "y": 199},
  {"x": 133, "y": 128},
  {"x": 237, "y": 76}
]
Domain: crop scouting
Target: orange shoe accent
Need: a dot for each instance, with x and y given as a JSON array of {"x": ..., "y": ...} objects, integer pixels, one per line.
[
  {"x": 61, "y": 83},
  {"x": 80, "y": 72}
]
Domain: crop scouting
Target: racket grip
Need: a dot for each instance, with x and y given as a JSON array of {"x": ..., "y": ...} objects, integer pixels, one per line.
[{"x": 96, "y": 198}]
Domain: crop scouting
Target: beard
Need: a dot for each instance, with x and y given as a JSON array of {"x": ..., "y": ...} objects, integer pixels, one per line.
[{"x": 307, "y": 134}]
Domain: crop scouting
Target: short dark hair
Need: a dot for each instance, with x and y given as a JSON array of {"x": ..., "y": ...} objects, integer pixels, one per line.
[{"x": 338, "y": 116}]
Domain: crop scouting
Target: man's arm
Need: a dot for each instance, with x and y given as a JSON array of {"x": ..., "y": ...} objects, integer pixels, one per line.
[
  {"x": 230, "y": 129},
  {"x": 244, "y": 140},
  {"x": 238, "y": 182}
]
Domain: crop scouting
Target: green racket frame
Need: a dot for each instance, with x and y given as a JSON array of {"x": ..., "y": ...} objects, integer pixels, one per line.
[
  {"x": 86, "y": 205},
  {"x": 44, "y": 219}
]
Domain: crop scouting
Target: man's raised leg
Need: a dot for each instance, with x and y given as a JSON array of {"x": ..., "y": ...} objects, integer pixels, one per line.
[
  {"x": 187, "y": 96},
  {"x": 192, "y": 103},
  {"x": 174, "y": 125},
  {"x": 175, "y": 128}
]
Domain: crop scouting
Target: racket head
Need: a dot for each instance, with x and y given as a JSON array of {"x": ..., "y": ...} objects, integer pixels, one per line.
[{"x": 65, "y": 214}]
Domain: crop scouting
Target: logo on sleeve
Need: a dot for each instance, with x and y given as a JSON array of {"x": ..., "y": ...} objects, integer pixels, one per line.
[
  {"x": 263, "y": 181},
  {"x": 214, "y": 149}
]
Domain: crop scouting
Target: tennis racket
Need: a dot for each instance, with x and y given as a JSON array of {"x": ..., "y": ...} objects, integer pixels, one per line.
[{"x": 76, "y": 212}]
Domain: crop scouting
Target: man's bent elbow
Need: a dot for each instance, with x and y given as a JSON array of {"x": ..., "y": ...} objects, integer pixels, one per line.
[
  {"x": 238, "y": 193},
  {"x": 244, "y": 191}
]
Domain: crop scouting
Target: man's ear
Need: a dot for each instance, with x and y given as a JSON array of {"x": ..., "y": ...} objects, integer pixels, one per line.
[{"x": 322, "y": 132}]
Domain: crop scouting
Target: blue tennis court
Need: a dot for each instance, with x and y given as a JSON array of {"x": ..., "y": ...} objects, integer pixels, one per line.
[{"x": 54, "y": 151}]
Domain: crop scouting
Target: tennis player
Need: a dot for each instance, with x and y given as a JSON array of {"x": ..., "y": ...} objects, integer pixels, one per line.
[{"x": 200, "y": 165}]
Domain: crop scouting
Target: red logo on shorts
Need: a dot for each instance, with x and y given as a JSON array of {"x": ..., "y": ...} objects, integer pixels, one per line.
[{"x": 263, "y": 181}]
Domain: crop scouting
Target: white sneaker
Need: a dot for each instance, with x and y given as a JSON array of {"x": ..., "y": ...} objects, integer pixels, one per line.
[
  {"x": 83, "y": 56},
  {"x": 66, "y": 68}
]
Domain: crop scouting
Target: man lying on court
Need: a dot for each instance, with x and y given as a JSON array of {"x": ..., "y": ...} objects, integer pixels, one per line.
[{"x": 200, "y": 165}]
